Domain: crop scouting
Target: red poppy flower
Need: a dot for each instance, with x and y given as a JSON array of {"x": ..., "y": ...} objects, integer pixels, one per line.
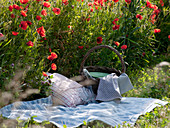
[
  {"x": 10, "y": 8},
  {"x": 80, "y": 47},
  {"x": 38, "y": 17},
  {"x": 21, "y": 8},
  {"x": 30, "y": 43},
  {"x": 143, "y": 54},
  {"x": 65, "y": 2},
  {"x": 47, "y": 4},
  {"x": 123, "y": 46},
  {"x": 16, "y": 7},
  {"x": 96, "y": 3},
  {"x": 169, "y": 37},
  {"x": 99, "y": 40},
  {"x": 91, "y": 10},
  {"x": 113, "y": 22},
  {"x": 139, "y": 16},
  {"x": 43, "y": 12},
  {"x": 1, "y": 35},
  {"x": 157, "y": 11},
  {"x": 116, "y": 27},
  {"x": 53, "y": 66},
  {"x": 56, "y": 11},
  {"x": 155, "y": 7},
  {"x": 41, "y": 31},
  {"x": 69, "y": 26},
  {"x": 12, "y": 16},
  {"x": 115, "y": 1},
  {"x": 29, "y": 23},
  {"x": 116, "y": 43},
  {"x": 157, "y": 30},
  {"x": 52, "y": 56},
  {"x": 152, "y": 6},
  {"x": 128, "y": 1},
  {"x": 44, "y": 74},
  {"x": 153, "y": 16},
  {"x": 116, "y": 19},
  {"x": 15, "y": 33},
  {"x": 161, "y": 2},
  {"x": 90, "y": 4},
  {"x": 88, "y": 19},
  {"x": 24, "y": 1},
  {"x": 149, "y": 5},
  {"x": 109, "y": 4},
  {"x": 96, "y": 7},
  {"x": 101, "y": 3},
  {"x": 44, "y": 38},
  {"x": 23, "y": 25},
  {"x": 49, "y": 49},
  {"x": 23, "y": 13}
]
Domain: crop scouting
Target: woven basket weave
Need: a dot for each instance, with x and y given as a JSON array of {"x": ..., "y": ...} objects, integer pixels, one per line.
[{"x": 99, "y": 68}]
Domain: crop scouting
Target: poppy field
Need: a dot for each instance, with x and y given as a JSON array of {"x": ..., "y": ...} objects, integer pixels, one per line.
[{"x": 39, "y": 36}]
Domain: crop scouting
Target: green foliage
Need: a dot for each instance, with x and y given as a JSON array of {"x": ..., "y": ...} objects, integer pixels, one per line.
[
  {"x": 153, "y": 83},
  {"x": 156, "y": 118},
  {"x": 30, "y": 123},
  {"x": 85, "y": 27}
]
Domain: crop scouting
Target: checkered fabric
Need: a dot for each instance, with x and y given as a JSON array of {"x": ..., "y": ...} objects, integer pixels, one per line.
[{"x": 68, "y": 92}]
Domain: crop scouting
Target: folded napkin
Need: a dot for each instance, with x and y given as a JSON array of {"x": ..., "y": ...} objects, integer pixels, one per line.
[{"x": 112, "y": 86}]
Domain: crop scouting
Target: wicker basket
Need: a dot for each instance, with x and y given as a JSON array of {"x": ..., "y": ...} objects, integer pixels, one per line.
[{"x": 99, "y": 68}]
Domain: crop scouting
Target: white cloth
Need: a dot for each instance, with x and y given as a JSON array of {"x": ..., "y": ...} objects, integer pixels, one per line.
[
  {"x": 124, "y": 83},
  {"x": 111, "y": 87}
]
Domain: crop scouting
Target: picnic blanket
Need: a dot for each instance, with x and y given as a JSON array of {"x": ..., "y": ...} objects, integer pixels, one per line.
[{"x": 129, "y": 109}]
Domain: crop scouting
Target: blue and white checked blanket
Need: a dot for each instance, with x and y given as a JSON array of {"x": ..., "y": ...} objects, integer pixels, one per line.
[{"x": 111, "y": 113}]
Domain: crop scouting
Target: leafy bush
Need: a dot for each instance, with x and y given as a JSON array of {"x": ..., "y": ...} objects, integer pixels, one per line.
[{"x": 69, "y": 29}]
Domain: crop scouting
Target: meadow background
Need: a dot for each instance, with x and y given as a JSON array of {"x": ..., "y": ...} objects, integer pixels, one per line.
[{"x": 38, "y": 36}]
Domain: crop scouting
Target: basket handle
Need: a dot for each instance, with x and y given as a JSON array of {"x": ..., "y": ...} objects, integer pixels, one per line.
[{"x": 98, "y": 47}]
